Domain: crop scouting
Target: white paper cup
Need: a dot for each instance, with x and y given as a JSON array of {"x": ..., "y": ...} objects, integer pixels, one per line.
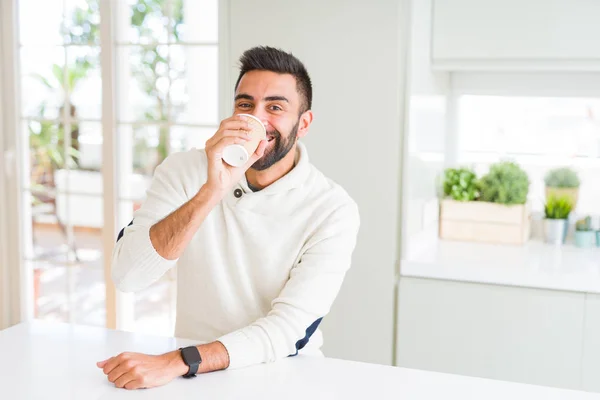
[{"x": 237, "y": 155}]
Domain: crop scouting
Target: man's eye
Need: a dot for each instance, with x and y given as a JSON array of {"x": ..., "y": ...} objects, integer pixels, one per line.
[
  {"x": 276, "y": 108},
  {"x": 243, "y": 105}
]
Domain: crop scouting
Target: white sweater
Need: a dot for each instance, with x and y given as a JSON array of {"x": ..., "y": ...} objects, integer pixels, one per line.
[{"x": 264, "y": 267}]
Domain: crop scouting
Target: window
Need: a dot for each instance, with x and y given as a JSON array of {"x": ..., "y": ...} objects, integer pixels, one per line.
[
  {"x": 539, "y": 133},
  {"x": 166, "y": 97}
]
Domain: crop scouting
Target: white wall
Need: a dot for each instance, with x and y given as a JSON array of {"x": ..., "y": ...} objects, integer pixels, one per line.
[
  {"x": 352, "y": 51},
  {"x": 427, "y": 132}
]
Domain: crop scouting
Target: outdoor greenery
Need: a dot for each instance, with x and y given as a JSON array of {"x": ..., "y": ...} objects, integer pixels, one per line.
[
  {"x": 149, "y": 68},
  {"x": 505, "y": 183},
  {"x": 562, "y": 178},
  {"x": 558, "y": 207}
]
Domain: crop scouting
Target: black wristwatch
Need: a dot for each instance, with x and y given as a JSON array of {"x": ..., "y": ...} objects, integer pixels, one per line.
[{"x": 191, "y": 358}]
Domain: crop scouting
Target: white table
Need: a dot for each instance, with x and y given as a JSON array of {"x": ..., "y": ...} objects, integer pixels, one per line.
[{"x": 41, "y": 360}]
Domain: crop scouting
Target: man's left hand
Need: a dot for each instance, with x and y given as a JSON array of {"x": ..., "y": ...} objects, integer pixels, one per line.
[{"x": 136, "y": 370}]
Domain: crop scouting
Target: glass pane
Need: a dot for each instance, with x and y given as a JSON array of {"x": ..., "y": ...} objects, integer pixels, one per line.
[
  {"x": 89, "y": 294},
  {"x": 88, "y": 137},
  {"x": 42, "y": 81},
  {"x": 195, "y": 82},
  {"x": 142, "y": 83},
  {"x": 149, "y": 148},
  {"x": 84, "y": 82},
  {"x": 69, "y": 294},
  {"x": 46, "y": 154},
  {"x": 40, "y": 22},
  {"x": 50, "y": 294},
  {"x": 82, "y": 22},
  {"x": 83, "y": 207},
  {"x": 48, "y": 239},
  {"x": 185, "y": 138},
  {"x": 142, "y": 21},
  {"x": 539, "y": 133},
  {"x": 530, "y": 125},
  {"x": 195, "y": 20},
  {"x": 138, "y": 155}
]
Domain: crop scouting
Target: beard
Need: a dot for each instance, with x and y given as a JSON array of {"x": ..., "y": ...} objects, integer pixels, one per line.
[{"x": 281, "y": 147}]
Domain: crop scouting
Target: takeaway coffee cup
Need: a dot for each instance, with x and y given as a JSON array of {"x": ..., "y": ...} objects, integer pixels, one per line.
[{"x": 237, "y": 155}]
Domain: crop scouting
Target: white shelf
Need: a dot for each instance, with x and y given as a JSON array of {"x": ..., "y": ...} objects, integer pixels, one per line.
[{"x": 534, "y": 265}]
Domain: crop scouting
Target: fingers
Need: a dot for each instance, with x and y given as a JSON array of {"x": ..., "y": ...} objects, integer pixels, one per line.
[
  {"x": 122, "y": 369},
  {"x": 134, "y": 384},
  {"x": 109, "y": 365},
  {"x": 235, "y": 126},
  {"x": 236, "y": 119},
  {"x": 243, "y": 134},
  {"x": 215, "y": 141},
  {"x": 217, "y": 149},
  {"x": 113, "y": 362},
  {"x": 101, "y": 364},
  {"x": 126, "y": 379}
]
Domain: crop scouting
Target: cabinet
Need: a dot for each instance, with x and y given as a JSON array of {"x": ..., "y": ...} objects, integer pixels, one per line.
[
  {"x": 591, "y": 344},
  {"x": 516, "y": 35},
  {"x": 499, "y": 332}
]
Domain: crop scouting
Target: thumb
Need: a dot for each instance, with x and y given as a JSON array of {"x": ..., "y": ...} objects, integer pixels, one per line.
[
  {"x": 260, "y": 151},
  {"x": 101, "y": 364}
]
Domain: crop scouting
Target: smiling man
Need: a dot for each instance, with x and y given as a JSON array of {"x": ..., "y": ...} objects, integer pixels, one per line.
[{"x": 261, "y": 250}]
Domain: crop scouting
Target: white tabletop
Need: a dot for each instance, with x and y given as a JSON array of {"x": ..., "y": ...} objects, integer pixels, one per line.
[
  {"x": 41, "y": 360},
  {"x": 534, "y": 265}
]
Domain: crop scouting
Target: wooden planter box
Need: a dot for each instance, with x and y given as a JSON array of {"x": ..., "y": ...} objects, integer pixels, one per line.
[{"x": 478, "y": 221}]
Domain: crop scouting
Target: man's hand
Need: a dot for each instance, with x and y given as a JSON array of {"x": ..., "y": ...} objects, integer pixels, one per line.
[
  {"x": 136, "y": 371},
  {"x": 222, "y": 176}
]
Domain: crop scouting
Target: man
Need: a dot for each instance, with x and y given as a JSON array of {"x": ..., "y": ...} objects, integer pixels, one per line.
[{"x": 261, "y": 250}]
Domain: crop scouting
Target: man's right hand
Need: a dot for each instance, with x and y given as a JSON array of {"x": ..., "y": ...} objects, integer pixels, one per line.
[{"x": 222, "y": 176}]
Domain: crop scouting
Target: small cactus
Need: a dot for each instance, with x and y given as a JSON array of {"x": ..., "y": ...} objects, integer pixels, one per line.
[{"x": 584, "y": 224}]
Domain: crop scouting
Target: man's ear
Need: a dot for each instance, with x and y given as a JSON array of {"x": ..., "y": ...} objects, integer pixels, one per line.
[{"x": 304, "y": 123}]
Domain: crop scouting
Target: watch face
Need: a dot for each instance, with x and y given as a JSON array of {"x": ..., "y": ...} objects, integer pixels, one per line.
[{"x": 191, "y": 355}]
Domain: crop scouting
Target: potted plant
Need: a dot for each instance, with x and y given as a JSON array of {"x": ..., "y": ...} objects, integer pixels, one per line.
[
  {"x": 557, "y": 210},
  {"x": 493, "y": 209},
  {"x": 506, "y": 183},
  {"x": 561, "y": 182},
  {"x": 460, "y": 184},
  {"x": 584, "y": 234}
]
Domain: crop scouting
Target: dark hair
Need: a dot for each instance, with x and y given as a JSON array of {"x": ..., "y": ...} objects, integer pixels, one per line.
[{"x": 267, "y": 58}]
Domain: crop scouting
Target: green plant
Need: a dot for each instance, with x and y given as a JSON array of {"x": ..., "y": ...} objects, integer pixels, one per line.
[
  {"x": 460, "y": 184},
  {"x": 562, "y": 178},
  {"x": 47, "y": 154},
  {"x": 505, "y": 183},
  {"x": 150, "y": 66},
  {"x": 558, "y": 207},
  {"x": 74, "y": 74},
  {"x": 584, "y": 224}
]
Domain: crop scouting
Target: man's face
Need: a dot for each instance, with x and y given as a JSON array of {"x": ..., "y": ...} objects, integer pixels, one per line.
[{"x": 272, "y": 98}]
